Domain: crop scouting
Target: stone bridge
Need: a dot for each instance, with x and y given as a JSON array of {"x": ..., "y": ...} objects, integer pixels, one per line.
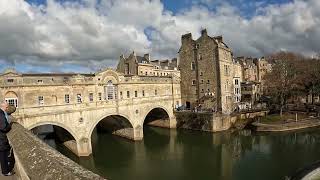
[
  {"x": 126, "y": 118},
  {"x": 84, "y": 104}
]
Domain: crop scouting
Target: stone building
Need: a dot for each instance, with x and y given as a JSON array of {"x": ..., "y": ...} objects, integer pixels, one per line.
[
  {"x": 206, "y": 67},
  {"x": 78, "y": 103},
  {"x": 30, "y": 90},
  {"x": 144, "y": 66}
]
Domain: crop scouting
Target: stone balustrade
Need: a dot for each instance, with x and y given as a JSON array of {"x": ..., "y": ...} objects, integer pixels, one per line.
[{"x": 37, "y": 160}]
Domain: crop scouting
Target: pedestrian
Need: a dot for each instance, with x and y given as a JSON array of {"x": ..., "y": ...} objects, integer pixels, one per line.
[{"x": 5, "y": 148}]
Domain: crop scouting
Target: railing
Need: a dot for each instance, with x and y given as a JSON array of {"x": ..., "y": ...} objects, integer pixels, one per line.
[{"x": 37, "y": 160}]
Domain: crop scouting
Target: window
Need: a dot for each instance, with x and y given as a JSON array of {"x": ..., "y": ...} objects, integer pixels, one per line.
[
  {"x": 67, "y": 98},
  {"x": 226, "y": 70},
  {"x": 202, "y": 81},
  {"x": 99, "y": 96},
  {"x": 91, "y": 97},
  {"x": 193, "y": 82},
  {"x": 135, "y": 93},
  {"x": 126, "y": 68},
  {"x": 40, "y": 81},
  {"x": 40, "y": 100},
  {"x": 200, "y": 57},
  {"x": 121, "y": 96},
  {"x": 236, "y": 82},
  {"x": 197, "y": 46},
  {"x": 111, "y": 91},
  {"x": 128, "y": 94},
  {"x": 146, "y": 73},
  {"x": 10, "y": 80},
  {"x": 155, "y": 92},
  {"x": 12, "y": 101},
  {"x": 208, "y": 82},
  {"x": 79, "y": 98},
  {"x": 202, "y": 90},
  {"x": 193, "y": 66},
  {"x": 201, "y": 73},
  {"x": 143, "y": 93}
]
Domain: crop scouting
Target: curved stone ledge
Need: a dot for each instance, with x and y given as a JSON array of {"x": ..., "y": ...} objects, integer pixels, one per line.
[{"x": 37, "y": 160}]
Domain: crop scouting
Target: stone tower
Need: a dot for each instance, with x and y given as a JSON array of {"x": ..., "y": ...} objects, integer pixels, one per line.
[{"x": 206, "y": 68}]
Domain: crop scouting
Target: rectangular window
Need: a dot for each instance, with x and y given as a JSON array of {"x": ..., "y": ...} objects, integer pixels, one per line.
[
  {"x": 201, "y": 73},
  {"x": 193, "y": 82},
  {"x": 193, "y": 66},
  {"x": 202, "y": 81},
  {"x": 126, "y": 68},
  {"x": 208, "y": 82},
  {"x": 236, "y": 82},
  {"x": 99, "y": 96},
  {"x": 143, "y": 93},
  {"x": 12, "y": 101},
  {"x": 135, "y": 93},
  {"x": 128, "y": 94},
  {"x": 79, "y": 98},
  {"x": 202, "y": 90},
  {"x": 121, "y": 96},
  {"x": 155, "y": 92},
  {"x": 67, "y": 98},
  {"x": 10, "y": 80},
  {"x": 40, "y": 100},
  {"x": 91, "y": 97}
]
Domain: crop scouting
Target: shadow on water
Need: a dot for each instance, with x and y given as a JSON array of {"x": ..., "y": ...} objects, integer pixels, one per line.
[{"x": 188, "y": 155}]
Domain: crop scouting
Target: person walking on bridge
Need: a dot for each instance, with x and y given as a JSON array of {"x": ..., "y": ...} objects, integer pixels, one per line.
[{"x": 5, "y": 127}]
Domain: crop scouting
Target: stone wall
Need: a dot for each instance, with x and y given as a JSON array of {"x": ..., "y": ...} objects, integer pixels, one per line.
[
  {"x": 36, "y": 160},
  {"x": 204, "y": 121}
]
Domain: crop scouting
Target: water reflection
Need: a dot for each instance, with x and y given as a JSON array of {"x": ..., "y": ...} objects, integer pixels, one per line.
[{"x": 172, "y": 154}]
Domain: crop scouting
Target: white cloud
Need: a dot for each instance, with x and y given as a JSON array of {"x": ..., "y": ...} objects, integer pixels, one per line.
[{"x": 94, "y": 33}]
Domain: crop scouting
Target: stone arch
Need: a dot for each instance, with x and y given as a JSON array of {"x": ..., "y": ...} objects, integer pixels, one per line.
[
  {"x": 110, "y": 75},
  {"x": 73, "y": 134},
  {"x": 161, "y": 108},
  {"x": 94, "y": 125}
]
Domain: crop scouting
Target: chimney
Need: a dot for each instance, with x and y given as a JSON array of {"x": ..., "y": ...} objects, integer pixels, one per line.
[
  {"x": 219, "y": 39},
  {"x": 147, "y": 57},
  {"x": 204, "y": 32}
]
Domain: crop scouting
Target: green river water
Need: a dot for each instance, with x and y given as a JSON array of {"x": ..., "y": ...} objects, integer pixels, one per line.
[{"x": 166, "y": 154}]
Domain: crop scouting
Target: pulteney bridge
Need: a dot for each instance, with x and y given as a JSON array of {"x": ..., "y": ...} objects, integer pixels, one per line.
[{"x": 117, "y": 103}]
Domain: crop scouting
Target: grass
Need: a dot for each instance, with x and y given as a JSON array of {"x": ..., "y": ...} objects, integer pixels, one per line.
[{"x": 276, "y": 118}]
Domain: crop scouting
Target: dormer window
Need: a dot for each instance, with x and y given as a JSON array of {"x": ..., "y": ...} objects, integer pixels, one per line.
[{"x": 10, "y": 80}]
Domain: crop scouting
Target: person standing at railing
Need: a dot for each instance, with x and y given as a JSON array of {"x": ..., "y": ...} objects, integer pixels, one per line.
[{"x": 5, "y": 149}]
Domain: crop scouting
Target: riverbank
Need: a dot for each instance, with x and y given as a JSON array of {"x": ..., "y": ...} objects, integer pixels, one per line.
[{"x": 288, "y": 125}]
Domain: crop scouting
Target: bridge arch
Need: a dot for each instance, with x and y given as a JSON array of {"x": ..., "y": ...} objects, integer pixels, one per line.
[
  {"x": 61, "y": 125},
  {"x": 157, "y": 113},
  {"x": 119, "y": 124}
]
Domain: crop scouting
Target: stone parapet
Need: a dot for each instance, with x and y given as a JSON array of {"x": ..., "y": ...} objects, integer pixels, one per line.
[{"x": 37, "y": 160}]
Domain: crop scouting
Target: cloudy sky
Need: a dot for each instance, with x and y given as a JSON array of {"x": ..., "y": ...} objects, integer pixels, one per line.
[{"x": 87, "y": 35}]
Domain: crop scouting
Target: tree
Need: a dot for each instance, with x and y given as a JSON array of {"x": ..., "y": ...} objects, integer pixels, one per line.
[{"x": 281, "y": 81}]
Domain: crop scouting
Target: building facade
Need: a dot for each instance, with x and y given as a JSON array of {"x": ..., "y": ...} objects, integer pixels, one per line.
[
  {"x": 144, "y": 66},
  {"x": 28, "y": 92},
  {"x": 206, "y": 67}
]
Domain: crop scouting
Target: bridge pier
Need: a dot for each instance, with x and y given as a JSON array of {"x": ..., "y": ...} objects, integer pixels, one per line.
[{"x": 84, "y": 147}]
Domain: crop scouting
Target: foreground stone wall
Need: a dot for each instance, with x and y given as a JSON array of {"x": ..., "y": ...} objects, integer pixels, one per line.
[{"x": 36, "y": 160}]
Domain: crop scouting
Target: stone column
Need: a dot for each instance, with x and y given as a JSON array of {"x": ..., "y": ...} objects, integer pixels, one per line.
[{"x": 173, "y": 122}]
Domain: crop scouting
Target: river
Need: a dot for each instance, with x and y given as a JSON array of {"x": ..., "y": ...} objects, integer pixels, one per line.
[{"x": 166, "y": 154}]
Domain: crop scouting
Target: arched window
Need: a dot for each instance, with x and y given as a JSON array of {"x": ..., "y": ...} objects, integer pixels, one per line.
[
  {"x": 11, "y": 98},
  {"x": 110, "y": 91}
]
